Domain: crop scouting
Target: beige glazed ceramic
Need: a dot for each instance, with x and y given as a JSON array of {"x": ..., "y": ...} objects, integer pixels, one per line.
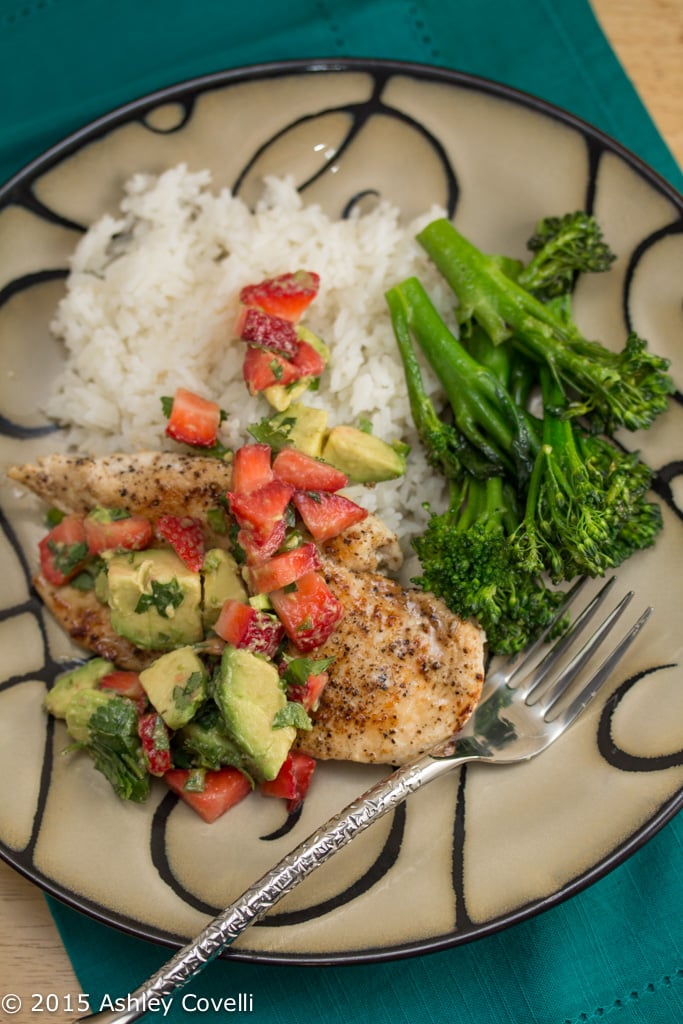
[{"x": 475, "y": 851}]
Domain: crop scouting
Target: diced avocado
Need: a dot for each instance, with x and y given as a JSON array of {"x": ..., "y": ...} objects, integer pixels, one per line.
[
  {"x": 85, "y": 677},
  {"x": 308, "y": 429},
  {"x": 176, "y": 684},
  {"x": 106, "y": 725},
  {"x": 155, "y": 600},
  {"x": 206, "y": 743},
  {"x": 222, "y": 580},
  {"x": 81, "y": 708},
  {"x": 249, "y": 694},
  {"x": 304, "y": 426},
  {"x": 363, "y": 457},
  {"x": 281, "y": 396}
]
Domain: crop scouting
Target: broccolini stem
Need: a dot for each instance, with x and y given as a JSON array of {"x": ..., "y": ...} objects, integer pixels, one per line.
[{"x": 482, "y": 408}]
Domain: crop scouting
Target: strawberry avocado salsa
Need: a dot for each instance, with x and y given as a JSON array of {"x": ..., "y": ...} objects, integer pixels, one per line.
[{"x": 227, "y": 611}]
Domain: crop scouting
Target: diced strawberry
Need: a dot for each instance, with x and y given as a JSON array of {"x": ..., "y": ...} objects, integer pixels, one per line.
[
  {"x": 260, "y": 549},
  {"x": 63, "y": 550},
  {"x": 194, "y": 420},
  {"x": 267, "y": 331},
  {"x": 261, "y": 510},
  {"x": 126, "y": 684},
  {"x": 186, "y": 537},
  {"x": 283, "y": 569},
  {"x": 251, "y": 468},
  {"x": 104, "y": 533},
  {"x": 308, "y": 610},
  {"x": 222, "y": 790},
  {"x": 287, "y": 295},
  {"x": 292, "y": 781},
  {"x": 307, "y": 473},
  {"x": 326, "y": 515},
  {"x": 310, "y": 692},
  {"x": 242, "y": 625},
  {"x": 262, "y": 369},
  {"x": 308, "y": 361},
  {"x": 155, "y": 739}
]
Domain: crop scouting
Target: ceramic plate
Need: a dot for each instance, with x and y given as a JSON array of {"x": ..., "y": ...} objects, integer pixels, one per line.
[{"x": 485, "y": 847}]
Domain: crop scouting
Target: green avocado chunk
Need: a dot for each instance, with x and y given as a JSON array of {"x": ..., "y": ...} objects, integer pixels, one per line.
[
  {"x": 85, "y": 677},
  {"x": 249, "y": 695},
  {"x": 363, "y": 457},
  {"x": 82, "y": 707},
  {"x": 222, "y": 580},
  {"x": 154, "y": 599},
  {"x": 176, "y": 685},
  {"x": 206, "y": 743}
]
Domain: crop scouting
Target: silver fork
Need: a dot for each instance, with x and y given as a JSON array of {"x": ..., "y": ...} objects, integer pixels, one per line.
[{"x": 520, "y": 714}]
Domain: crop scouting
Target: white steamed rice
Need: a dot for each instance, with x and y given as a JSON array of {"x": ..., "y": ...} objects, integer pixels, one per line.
[{"x": 153, "y": 293}]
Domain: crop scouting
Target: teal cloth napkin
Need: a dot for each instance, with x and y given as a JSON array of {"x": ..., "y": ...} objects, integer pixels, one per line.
[{"x": 612, "y": 953}]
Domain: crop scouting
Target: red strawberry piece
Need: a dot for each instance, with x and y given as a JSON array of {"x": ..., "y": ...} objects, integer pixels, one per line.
[
  {"x": 310, "y": 692},
  {"x": 186, "y": 537},
  {"x": 262, "y": 369},
  {"x": 307, "y": 473},
  {"x": 260, "y": 549},
  {"x": 308, "y": 610},
  {"x": 64, "y": 550},
  {"x": 268, "y": 331},
  {"x": 126, "y": 684},
  {"x": 102, "y": 533},
  {"x": 287, "y": 295},
  {"x": 154, "y": 736},
  {"x": 283, "y": 569},
  {"x": 222, "y": 790},
  {"x": 292, "y": 781},
  {"x": 261, "y": 510},
  {"x": 193, "y": 420},
  {"x": 243, "y": 626},
  {"x": 251, "y": 468},
  {"x": 327, "y": 515},
  {"x": 307, "y": 360}
]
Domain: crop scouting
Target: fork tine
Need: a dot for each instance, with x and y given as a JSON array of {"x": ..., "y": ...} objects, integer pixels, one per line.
[
  {"x": 513, "y": 665},
  {"x": 570, "y": 671},
  {"x": 586, "y": 694},
  {"x": 549, "y": 661}
]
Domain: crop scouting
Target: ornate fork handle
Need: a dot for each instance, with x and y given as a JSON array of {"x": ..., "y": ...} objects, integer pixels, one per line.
[{"x": 256, "y": 901}]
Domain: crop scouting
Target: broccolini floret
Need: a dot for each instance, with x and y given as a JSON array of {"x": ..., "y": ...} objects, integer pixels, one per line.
[
  {"x": 564, "y": 247},
  {"x": 629, "y": 388},
  {"x": 469, "y": 557}
]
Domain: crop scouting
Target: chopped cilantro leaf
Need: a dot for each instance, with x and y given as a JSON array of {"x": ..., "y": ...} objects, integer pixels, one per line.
[
  {"x": 292, "y": 714},
  {"x": 67, "y": 556},
  {"x": 163, "y": 596}
]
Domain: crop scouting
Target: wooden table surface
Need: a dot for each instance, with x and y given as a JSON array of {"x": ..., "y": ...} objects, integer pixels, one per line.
[{"x": 647, "y": 35}]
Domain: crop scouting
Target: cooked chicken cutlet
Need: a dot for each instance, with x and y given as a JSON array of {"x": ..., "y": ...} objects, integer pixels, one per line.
[
  {"x": 407, "y": 672},
  {"x": 368, "y": 546},
  {"x": 147, "y": 483}
]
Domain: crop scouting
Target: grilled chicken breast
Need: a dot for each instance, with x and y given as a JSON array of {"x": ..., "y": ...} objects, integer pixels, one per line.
[
  {"x": 148, "y": 483},
  {"x": 407, "y": 673}
]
